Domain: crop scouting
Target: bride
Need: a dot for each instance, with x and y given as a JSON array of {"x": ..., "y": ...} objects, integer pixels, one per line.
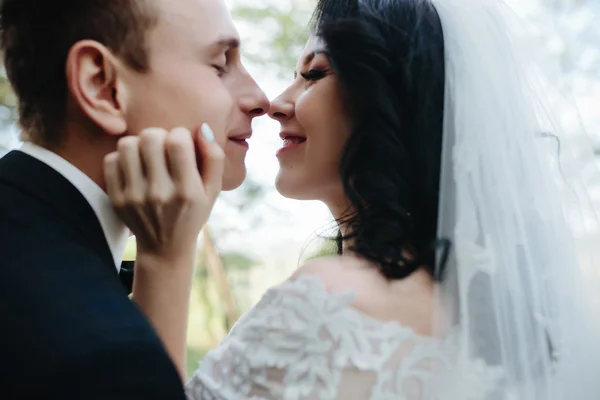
[{"x": 464, "y": 230}]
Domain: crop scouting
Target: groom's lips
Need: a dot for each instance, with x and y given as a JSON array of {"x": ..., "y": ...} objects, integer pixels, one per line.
[{"x": 240, "y": 139}]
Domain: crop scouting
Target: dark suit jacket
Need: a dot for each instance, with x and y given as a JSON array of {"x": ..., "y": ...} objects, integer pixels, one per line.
[{"x": 68, "y": 329}]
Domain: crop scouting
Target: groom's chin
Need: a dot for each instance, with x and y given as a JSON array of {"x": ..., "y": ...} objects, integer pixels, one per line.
[{"x": 233, "y": 177}]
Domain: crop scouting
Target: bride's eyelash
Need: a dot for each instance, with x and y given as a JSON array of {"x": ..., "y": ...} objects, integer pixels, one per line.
[{"x": 314, "y": 74}]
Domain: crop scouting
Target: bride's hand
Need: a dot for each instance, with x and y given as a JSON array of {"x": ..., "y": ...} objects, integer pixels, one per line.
[
  {"x": 163, "y": 189},
  {"x": 164, "y": 185}
]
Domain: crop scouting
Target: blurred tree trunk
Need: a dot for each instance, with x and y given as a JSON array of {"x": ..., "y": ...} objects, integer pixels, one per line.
[
  {"x": 217, "y": 270},
  {"x": 202, "y": 288}
]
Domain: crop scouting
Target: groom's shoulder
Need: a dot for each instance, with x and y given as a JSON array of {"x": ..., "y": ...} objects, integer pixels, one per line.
[
  {"x": 62, "y": 292},
  {"x": 64, "y": 278},
  {"x": 73, "y": 319}
]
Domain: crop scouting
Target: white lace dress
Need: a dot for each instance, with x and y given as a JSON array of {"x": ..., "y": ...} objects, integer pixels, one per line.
[{"x": 301, "y": 342}]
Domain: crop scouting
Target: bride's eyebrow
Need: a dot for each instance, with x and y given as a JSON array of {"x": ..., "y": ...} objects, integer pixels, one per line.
[{"x": 309, "y": 57}]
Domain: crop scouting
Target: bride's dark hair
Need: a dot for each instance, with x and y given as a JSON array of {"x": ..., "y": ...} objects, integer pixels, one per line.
[{"x": 389, "y": 57}]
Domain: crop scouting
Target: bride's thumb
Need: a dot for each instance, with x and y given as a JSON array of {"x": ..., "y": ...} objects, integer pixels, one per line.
[{"x": 210, "y": 157}]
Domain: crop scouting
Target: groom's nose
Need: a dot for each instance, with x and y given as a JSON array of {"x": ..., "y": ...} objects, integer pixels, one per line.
[{"x": 251, "y": 99}]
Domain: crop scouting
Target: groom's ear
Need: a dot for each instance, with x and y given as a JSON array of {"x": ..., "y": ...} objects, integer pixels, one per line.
[{"x": 95, "y": 82}]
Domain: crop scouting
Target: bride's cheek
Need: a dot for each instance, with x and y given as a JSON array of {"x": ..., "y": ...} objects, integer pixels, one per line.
[
  {"x": 311, "y": 108},
  {"x": 304, "y": 103}
]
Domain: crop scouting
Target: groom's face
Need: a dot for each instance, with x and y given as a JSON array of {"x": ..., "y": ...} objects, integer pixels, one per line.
[{"x": 195, "y": 76}]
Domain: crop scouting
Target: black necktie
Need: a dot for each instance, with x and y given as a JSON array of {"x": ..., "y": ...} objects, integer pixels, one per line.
[{"x": 126, "y": 275}]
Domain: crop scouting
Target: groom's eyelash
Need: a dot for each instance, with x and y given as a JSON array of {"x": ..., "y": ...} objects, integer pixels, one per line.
[
  {"x": 220, "y": 70},
  {"x": 221, "y": 67}
]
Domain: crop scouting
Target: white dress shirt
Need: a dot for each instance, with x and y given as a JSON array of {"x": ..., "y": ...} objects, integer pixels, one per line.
[{"x": 115, "y": 231}]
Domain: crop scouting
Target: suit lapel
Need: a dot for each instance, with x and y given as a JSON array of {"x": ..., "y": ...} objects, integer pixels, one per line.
[{"x": 34, "y": 177}]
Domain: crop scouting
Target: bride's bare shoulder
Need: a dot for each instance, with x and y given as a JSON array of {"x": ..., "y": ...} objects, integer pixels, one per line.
[
  {"x": 408, "y": 301},
  {"x": 339, "y": 273}
]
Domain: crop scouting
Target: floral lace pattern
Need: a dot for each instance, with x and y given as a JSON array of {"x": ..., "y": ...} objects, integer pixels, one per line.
[{"x": 301, "y": 342}]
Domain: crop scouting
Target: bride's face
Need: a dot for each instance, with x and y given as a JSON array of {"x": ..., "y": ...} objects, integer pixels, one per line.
[{"x": 315, "y": 126}]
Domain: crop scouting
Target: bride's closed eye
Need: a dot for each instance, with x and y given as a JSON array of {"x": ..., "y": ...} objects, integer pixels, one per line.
[{"x": 314, "y": 74}]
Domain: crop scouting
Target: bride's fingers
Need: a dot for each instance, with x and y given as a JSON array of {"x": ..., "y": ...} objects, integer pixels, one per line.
[
  {"x": 131, "y": 165},
  {"x": 212, "y": 161},
  {"x": 112, "y": 176},
  {"x": 152, "y": 150},
  {"x": 182, "y": 162}
]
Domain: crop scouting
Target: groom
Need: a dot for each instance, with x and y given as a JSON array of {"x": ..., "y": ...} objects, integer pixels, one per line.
[{"x": 87, "y": 72}]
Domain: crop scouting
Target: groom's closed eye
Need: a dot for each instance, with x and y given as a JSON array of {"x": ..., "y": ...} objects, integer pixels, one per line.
[{"x": 223, "y": 51}]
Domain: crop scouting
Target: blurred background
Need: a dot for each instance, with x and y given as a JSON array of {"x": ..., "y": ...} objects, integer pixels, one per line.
[{"x": 256, "y": 238}]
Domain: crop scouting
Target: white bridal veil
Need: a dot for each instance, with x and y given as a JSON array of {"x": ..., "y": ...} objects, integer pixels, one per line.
[{"x": 523, "y": 273}]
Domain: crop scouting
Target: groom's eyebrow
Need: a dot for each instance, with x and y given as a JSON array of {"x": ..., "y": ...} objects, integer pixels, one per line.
[{"x": 227, "y": 43}]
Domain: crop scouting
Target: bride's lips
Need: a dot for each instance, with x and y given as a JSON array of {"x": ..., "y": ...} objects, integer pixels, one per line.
[
  {"x": 240, "y": 139},
  {"x": 291, "y": 141}
]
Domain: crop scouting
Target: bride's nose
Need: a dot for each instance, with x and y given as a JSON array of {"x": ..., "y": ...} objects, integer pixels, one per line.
[{"x": 281, "y": 109}]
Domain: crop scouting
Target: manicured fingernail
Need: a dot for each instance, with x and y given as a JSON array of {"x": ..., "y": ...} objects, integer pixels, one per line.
[{"x": 207, "y": 133}]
